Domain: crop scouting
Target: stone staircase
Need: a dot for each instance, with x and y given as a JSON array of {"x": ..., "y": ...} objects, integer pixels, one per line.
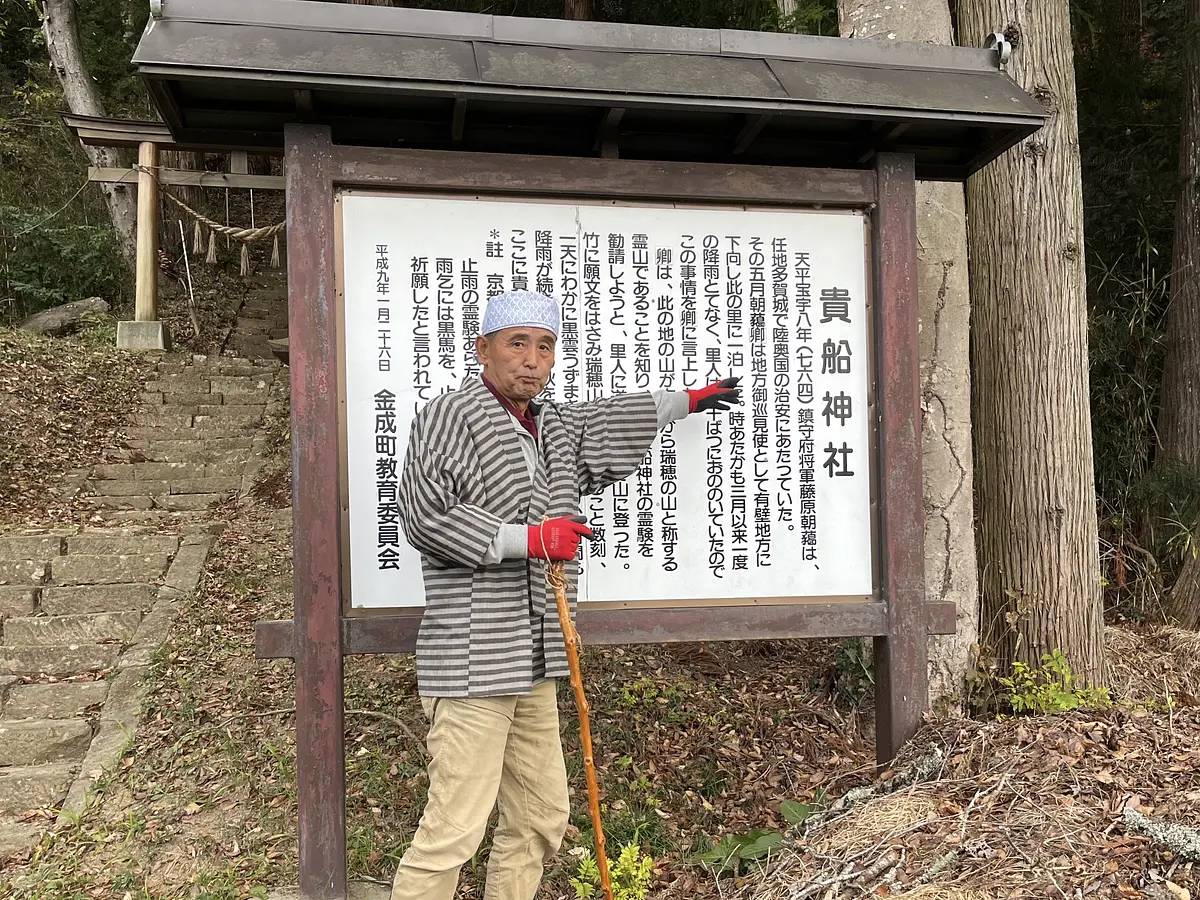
[
  {"x": 263, "y": 316},
  {"x": 83, "y": 610},
  {"x": 191, "y": 437},
  {"x": 81, "y": 614}
]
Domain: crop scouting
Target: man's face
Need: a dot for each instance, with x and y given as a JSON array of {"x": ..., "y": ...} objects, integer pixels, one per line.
[{"x": 517, "y": 361}]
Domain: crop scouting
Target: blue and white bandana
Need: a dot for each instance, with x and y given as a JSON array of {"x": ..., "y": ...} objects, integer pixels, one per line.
[{"x": 521, "y": 309}]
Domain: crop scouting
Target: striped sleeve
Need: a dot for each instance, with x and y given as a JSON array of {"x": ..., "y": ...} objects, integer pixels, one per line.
[
  {"x": 611, "y": 436},
  {"x": 671, "y": 406},
  {"x": 436, "y": 522}
]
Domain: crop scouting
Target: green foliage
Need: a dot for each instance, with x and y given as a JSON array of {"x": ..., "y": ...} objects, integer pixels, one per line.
[
  {"x": 1127, "y": 344},
  {"x": 43, "y": 264},
  {"x": 630, "y": 876},
  {"x": 41, "y": 166},
  {"x": 56, "y": 242},
  {"x": 1128, "y": 63},
  {"x": 811, "y": 16},
  {"x": 854, "y": 670},
  {"x": 733, "y": 850},
  {"x": 1051, "y": 688},
  {"x": 647, "y": 692},
  {"x": 798, "y": 813},
  {"x": 108, "y": 32},
  {"x": 1171, "y": 488}
]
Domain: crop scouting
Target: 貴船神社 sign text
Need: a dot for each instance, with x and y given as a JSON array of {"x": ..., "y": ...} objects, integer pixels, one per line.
[{"x": 769, "y": 500}]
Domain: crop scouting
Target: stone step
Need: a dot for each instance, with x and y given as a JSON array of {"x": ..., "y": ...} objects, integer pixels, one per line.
[
  {"x": 148, "y": 471},
  {"x": 60, "y": 661},
  {"x": 190, "y": 452},
  {"x": 242, "y": 415},
  {"x": 17, "y": 837},
  {"x": 135, "y": 488},
  {"x": 23, "y": 788},
  {"x": 23, "y": 571},
  {"x": 30, "y": 546},
  {"x": 171, "y": 399},
  {"x": 88, "y": 569},
  {"x": 36, "y": 742},
  {"x": 17, "y": 601},
  {"x": 266, "y": 321},
  {"x": 106, "y": 543},
  {"x": 121, "y": 502},
  {"x": 214, "y": 485},
  {"x": 83, "y": 628},
  {"x": 179, "y": 502},
  {"x": 94, "y": 598},
  {"x": 233, "y": 469},
  {"x": 270, "y": 293},
  {"x": 188, "y": 383},
  {"x": 251, "y": 343},
  {"x": 62, "y": 700},
  {"x": 153, "y": 516},
  {"x": 158, "y": 433},
  {"x": 261, "y": 367},
  {"x": 230, "y": 385},
  {"x": 164, "y": 417},
  {"x": 265, "y": 368},
  {"x": 169, "y": 471}
]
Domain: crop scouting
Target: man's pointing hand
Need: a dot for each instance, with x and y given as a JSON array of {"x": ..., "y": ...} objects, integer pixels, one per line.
[{"x": 717, "y": 396}]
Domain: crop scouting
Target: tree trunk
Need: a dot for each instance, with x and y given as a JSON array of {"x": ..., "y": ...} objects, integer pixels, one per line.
[
  {"x": 1179, "y": 415},
  {"x": 578, "y": 9},
  {"x": 62, "y": 42},
  {"x": 169, "y": 214},
  {"x": 1037, "y": 541},
  {"x": 945, "y": 314}
]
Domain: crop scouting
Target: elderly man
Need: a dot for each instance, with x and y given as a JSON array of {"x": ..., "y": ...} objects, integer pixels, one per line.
[{"x": 490, "y": 490}]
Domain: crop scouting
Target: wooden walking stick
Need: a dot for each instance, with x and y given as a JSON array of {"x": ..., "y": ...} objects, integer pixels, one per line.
[{"x": 557, "y": 579}]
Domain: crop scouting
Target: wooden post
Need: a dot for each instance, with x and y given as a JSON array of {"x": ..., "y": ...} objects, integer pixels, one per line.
[
  {"x": 901, "y": 657},
  {"x": 316, "y": 541},
  {"x": 146, "y": 297}
]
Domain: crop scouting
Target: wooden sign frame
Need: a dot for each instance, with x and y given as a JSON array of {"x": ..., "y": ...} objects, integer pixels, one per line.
[
  {"x": 613, "y": 628},
  {"x": 320, "y": 635}
]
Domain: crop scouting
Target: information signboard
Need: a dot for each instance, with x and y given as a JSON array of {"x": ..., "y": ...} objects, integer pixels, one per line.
[{"x": 769, "y": 502}]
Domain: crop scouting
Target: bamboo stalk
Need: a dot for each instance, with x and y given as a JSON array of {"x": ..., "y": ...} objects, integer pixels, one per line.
[{"x": 556, "y": 578}]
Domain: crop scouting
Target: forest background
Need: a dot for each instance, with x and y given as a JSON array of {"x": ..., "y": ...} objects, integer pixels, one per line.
[{"x": 57, "y": 242}]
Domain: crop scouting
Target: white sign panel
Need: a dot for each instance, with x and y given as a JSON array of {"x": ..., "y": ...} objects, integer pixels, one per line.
[{"x": 769, "y": 500}]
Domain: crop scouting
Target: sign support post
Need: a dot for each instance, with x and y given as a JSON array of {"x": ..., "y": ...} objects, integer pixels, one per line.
[
  {"x": 316, "y": 538},
  {"x": 901, "y": 658}
]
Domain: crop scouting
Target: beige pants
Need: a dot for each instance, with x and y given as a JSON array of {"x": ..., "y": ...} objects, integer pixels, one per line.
[{"x": 484, "y": 751}]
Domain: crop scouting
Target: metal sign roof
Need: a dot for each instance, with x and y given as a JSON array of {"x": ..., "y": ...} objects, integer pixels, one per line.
[{"x": 233, "y": 72}]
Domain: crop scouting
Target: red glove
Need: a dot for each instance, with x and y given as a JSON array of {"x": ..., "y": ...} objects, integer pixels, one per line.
[
  {"x": 716, "y": 396},
  {"x": 557, "y": 540}
]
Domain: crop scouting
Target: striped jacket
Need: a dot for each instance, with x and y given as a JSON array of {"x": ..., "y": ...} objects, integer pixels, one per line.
[{"x": 490, "y": 624}]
